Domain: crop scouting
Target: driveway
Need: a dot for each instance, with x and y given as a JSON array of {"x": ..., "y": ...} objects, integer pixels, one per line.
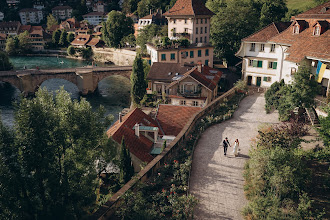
[{"x": 217, "y": 180}]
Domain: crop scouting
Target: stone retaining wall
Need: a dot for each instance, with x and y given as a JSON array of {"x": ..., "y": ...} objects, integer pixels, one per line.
[
  {"x": 120, "y": 57},
  {"x": 109, "y": 208}
]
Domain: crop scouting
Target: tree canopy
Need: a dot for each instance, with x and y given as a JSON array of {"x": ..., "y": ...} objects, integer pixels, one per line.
[
  {"x": 51, "y": 21},
  {"x": 4, "y": 62},
  {"x": 125, "y": 164},
  {"x": 49, "y": 162},
  {"x": 115, "y": 28},
  {"x": 138, "y": 82}
]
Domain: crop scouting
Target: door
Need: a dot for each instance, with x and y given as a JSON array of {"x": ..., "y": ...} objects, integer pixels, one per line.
[
  {"x": 249, "y": 80},
  {"x": 258, "y": 81}
]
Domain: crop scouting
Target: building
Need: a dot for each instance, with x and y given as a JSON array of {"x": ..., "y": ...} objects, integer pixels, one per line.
[
  {"x": 10, "y": 28},
  {"x": 62, "y": 12},
  {"x": 81, "y": 40},
  {"x": 95, "y": 18},
  {"x": 99, "y": 7},
  {"x": 275, "y": 52},
  {"x": 2, "y": 16},
  {"x": 37, "y": 36},
  {"x": 70, "y": 25},
  {"x": 13, "y": 3},
  {"x": 153, "y": 18},
  {"x": 30, "y": 16},
  {"x": 188, "y": 19},
  {"x": 38, "y": 5},
  {"x": 3, "y": 38}
]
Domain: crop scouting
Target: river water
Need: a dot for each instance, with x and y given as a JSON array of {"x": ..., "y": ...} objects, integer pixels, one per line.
[{"x": 113, "y": 92}]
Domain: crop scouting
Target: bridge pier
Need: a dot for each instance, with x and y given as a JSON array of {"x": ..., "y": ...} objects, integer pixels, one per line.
[
  {"x": 85, "y": 82},
  {"x": 26, "y": 84}
]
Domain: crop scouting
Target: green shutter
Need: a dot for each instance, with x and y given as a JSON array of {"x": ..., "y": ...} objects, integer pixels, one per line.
[
  {"x": 206, "y": 52},
  {"x": 191, "y": 54},
  {"x": 274, "y": 65},
  {"x": 206, "y": 62},
  {"x": 199, "y": 53},
  {"x": 265, "y": 78},
  {"x": 255, "y": 63},
  {"x": 259, "y": 63},
  {"x": 172, "y": 56},
  {"x": 163, "y": 56}
]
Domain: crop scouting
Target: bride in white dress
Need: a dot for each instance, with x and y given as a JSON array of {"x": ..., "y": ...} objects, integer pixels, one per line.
[{"x": 236, "y": 145}]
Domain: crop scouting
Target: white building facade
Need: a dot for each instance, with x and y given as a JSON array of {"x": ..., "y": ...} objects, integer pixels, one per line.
[
  {"x": 95, "y": 18},
  {"x": 62, "y": 12},
  {"x": 30, "y": 16}
]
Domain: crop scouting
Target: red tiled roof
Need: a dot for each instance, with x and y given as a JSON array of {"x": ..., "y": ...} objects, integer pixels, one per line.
[
  {"x": 81, "y": 39},
  {"x": 268, "y": 32},
  {"x": 3, "y": 36},
  {"x": 93, "y": 42},
  {"x": 319, "y": 12},
  {"x": 188, "y": 8},
  {"x": 23, "y": 28},
  {"x": 139, "y": 146},
  {"x": 173, "y": 118},
  {"x": 166, "y": 71}
]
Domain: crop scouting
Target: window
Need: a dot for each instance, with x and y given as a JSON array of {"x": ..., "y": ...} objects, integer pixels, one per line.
[
  {"x": 250, "y": 62},
  {"x": 172, "y": 56},
  {"x": 272, "y": 48},
  {"x": 206, "y": 62},
  {"x": 205, "y": 20},
  {"x": 296, "y": 29},
  {"x": 186, "y": 30},
  {"x": 206, "y": 52},
  {"x": 201, "y": 20},
  {"x": 253, "y": 47},
  {"x": 163, "y": 56},
  {"x": 191, "y": 54},
  {"x": 186, "y": 53},
  {"x": 201, "y": 40},
  {"x": 196, "y": 40},
  {"x": 205, "y": 39},
  {"x": 205, "y": 30},
  {"x": 201, "y": 30},
  {"x": 267, "y": 79},
  {"x": 259, "y": 64},
  {"x": 183, "y": 102},
  {"x": 262, "y": 47},
  {"x": 272, "y": 65},
  {"x": 317, "y": 30},
  {"x": 195, "y": 103},
  {"x": 174, "y": 21},
  {"x": 174, "y": 31},
  {"x": 196, "y": 30},
  {"x": 185, "y": 21},
  {"x": 199, "y": 53},
  {"x": 293, "y": 70},
  {"x": 196, "y": 21}
]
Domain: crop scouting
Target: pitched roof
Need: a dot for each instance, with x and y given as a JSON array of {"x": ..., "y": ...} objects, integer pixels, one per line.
[
  {"x": 23, "y": 28},
  {"x": 173, "y": 118},
  {"x": 188, "y": 8},
  {"x": 320, "y": 12},
  {"x": 139, "y": 146},
  {"x": 61, "y": 7},
  {"x": 94, "y": 42},
  {"x": 5, "y": 24},
  {"x": 268, "y": 32},
  {"x": 166, "y": 71},
  {"x": 81, "y": 39},
  {"x": 29, "y": 10}
]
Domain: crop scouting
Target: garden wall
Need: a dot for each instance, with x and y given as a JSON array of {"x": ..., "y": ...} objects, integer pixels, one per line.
[
  {"x": 109, "y": 208},
  {"x": 120, "y": 57}
]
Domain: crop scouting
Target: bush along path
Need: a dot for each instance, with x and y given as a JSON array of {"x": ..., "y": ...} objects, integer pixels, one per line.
[{"x": 165, "y": 195}]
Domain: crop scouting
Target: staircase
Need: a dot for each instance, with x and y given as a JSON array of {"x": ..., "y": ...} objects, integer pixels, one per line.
[{"x": 312, "y": 116}]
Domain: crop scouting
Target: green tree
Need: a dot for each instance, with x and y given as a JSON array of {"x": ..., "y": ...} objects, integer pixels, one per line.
[
  {"x": 51, "y": 21},
  {"x": 215, "y": 5},
  {"x": 272, "y": 11},
  {"x": 125, "y": 164},
  {"x": 24, "y": 42},
  {"x": 115, "y": 28},
  {"x": 71, "y": 51},
  {"x": 130, "y": 6},
  {"x": 138, "y": 82},
  {"x": 63, "y": 38},
  {"x": 146, "y": 35},
  {"x": 4, "y": 62},
  {"x": 10, "y": 46},
  {"x": 70, "y": 37},
  {"x": 48, "y": 162},
  {"x": 324, "y": 128},
  {"x": 87, "y": 53},
  {"x": 128, "y": 40},
  {"x": 230, "y": 25},
  {"x": 56, "y": 36}
]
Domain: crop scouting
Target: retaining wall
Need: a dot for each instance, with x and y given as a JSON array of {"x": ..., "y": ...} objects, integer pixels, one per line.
[
  {"x": 109, "y": 208},
  {"x": 120, "y": 57}
]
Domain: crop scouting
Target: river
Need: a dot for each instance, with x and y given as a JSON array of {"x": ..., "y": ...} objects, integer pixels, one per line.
[{"x": 113, "y": 92}]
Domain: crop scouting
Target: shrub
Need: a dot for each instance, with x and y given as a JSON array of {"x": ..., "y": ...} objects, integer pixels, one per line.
[{"x": 71, "y": 51}]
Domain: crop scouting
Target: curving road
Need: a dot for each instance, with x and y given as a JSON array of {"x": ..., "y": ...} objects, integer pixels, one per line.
[{"x": 217, "y": 180}]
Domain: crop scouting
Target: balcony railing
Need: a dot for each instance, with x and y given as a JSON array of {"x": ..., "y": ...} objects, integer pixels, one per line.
[{"x": 189, "y": 93}]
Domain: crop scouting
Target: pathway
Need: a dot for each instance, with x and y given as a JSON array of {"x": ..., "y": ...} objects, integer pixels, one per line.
[{"x": 217, "y": 180}]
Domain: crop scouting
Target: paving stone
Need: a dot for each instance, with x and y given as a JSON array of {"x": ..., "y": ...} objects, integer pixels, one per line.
[{"x": 217, "y": 180}]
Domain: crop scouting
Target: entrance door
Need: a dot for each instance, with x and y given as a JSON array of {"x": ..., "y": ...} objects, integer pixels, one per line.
[
  {"x": 249, "y": 80},
  {"x": 258, "y": 81}
]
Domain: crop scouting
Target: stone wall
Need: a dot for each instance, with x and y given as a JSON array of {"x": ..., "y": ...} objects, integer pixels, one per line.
[
  {"x": 120, "y": 57},
  {"x": 109, "y": 208}
]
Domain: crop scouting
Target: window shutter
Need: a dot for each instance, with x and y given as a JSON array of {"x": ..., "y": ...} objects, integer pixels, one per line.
[
  {"x": 265, "y": 78},
  {"x": 259, "y": 63},
  {"x": 255, "y": 63},
  {"x": 274, "y": 65}
]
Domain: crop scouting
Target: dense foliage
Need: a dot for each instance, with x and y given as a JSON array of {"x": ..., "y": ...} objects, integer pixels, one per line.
[
  {"x": 51, "y": 21},
  {"x": 138, "y": 81},
  {"x": 50, "y": 161},
  {"x": 116, "y": 28},
  {"x": 324, "y": 129},
  {"x": 147, "y": 34},
  {"x": 125, "y": 164},
  {"x": 18, "y": 45},
  {"x": 4, "y": 62}
]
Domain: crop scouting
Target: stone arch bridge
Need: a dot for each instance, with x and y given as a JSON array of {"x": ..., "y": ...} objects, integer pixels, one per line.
[{"x": 86, "y": 78}]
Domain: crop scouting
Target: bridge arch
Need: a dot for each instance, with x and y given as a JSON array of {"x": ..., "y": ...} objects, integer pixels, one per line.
[
  {"x": 55, "y": 84},
  {"x": 43, "y": 78},
  {"x": 13, "y": 82}
]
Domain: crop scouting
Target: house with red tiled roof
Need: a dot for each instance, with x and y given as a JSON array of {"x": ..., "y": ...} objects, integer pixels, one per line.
[
  {"x": 275, "y": 52},
  {"x": 70, "y": 25},
  {"x": 197, "y": 87},
  {"x": 87, "y": 40},
  {"x": 153, "y": 18},
  {"x": 189, "y": 19}
]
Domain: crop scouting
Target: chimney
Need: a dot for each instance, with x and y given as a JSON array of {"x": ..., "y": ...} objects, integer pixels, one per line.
[
  {"x": 199, "y": 67},
  {"x": 150, "y": 11},
  {"x": 137, "y": 129},
  {"x": 120, "y": 117}
]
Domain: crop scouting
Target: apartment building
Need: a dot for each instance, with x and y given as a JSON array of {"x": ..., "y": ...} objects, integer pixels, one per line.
[{"x": 30, "y": 16}]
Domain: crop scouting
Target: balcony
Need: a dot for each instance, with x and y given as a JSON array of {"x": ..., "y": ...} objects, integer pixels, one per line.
[{"x": 189, "y": 93}]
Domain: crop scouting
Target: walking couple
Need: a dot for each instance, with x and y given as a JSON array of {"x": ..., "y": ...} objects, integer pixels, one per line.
[{"x": 226, "y": 144}]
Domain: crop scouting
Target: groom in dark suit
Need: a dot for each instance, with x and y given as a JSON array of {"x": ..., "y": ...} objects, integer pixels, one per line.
[{"x": 225, "y": 145}]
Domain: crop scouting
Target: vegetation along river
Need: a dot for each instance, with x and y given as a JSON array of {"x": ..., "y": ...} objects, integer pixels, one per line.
[{"x": 113, "y": 92}]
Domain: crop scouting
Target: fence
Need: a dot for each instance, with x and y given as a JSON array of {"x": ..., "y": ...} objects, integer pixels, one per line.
[{"x": 109, "y": 208}]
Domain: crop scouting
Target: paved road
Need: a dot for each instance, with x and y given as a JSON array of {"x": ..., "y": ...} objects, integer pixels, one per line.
[{"x": 217, "y": 180}]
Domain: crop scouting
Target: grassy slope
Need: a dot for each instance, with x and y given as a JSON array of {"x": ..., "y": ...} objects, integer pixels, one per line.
[{"x": 300, "y": 4}]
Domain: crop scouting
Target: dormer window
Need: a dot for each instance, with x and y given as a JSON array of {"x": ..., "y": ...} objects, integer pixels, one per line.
[
  {"x": 296, "y": 29},
  {"x": 317, "y": 30}
]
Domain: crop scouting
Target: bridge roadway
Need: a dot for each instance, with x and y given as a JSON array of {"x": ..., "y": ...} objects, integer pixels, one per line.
[{"x": 86, "y": 78}]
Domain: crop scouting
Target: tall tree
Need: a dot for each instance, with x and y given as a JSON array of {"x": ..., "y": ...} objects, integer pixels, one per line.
[
  {"x": 11, "y": 46},
  {"x": 272, "y": 11},
  {"x": 63, "y": 38},
  {"x": 56, "y": 36},
  {"x": 4, "y": 62},
  {"x": 138, "y": 82},
  {"x": 147, "y": 34},
  {"x": 50, "y": 158},
  {"x": 126, "y": 166},
  {"x": 70, "y": 37},
  {"x": 24, "y": 42},
  {"x": 116, "y": 27},
  {"x": 51, "y": 21}
]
